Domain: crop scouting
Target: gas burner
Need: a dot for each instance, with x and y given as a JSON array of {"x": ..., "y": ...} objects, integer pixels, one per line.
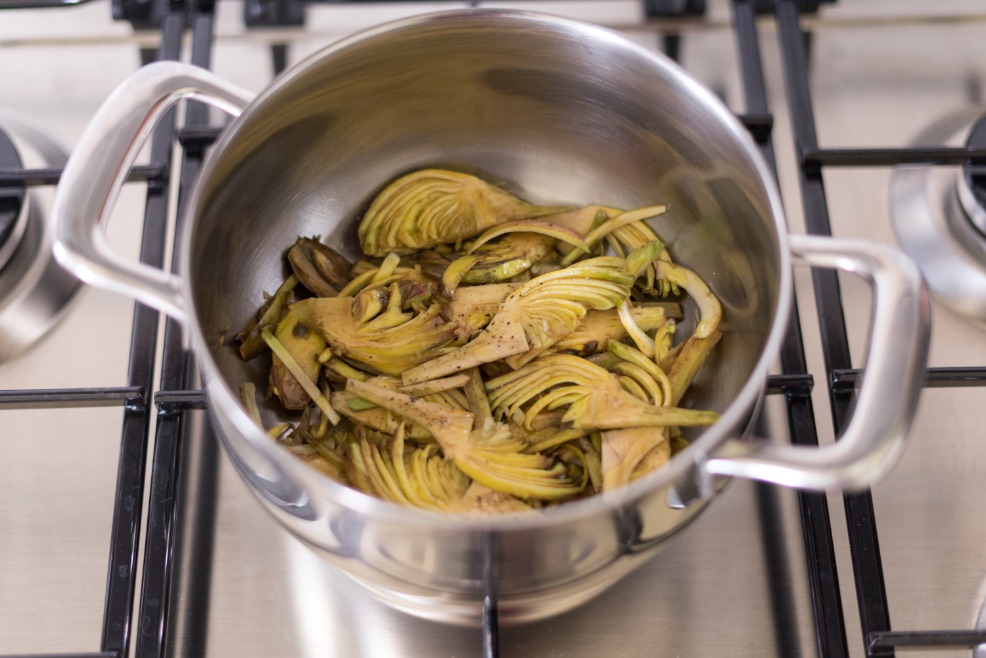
[
  {"x": 34, "y": 289},
  {"x": 971, "y": 185},
  {"x": 13, "y": 209},
  {"x": 939, "y": 216}
]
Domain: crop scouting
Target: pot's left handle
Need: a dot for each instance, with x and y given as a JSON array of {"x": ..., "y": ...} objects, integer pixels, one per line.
[{"x": 98, "y": 168}]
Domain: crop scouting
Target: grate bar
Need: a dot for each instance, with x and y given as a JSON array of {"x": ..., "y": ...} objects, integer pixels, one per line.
[
  {"x": 168, "y": 401},
  {"x": 946, "y": 639},
  {"x": 176, "y": 370},
  {"x": 132, "y": 397},
  {"x": 89, "y": 654},
  {"x": 39, "y": 4},
  {"x": 798, "y": 384},
  {"x": 887, "y": 157},
  {"x": 846, "y": 379},
  {"x": 125, "y": 538},
  {"x": 51, "y": 175}
]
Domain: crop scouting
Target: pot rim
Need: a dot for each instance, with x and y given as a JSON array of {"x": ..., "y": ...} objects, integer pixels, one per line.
[{"x": 222, "y": 397}]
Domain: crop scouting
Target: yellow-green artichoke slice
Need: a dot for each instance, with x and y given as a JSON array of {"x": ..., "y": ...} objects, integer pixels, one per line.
[
  {"x": 593, "y": 397},
  {"x": 389, "y": 350},
  {"x": 492, "y": 457},
  {"x": 430, "y": 207},
  {"x": 535, "y": 316}
]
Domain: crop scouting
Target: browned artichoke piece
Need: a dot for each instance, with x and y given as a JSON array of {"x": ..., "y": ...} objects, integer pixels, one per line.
[
  {"x": 480, "y": 499},
  {"x": 319, "y": 267},
  {"x": 430, "y": 207},
  {"x": 473, "y": 307},
  {"x": 304, "y": 345},
  {"x": 503, "y": 252}
]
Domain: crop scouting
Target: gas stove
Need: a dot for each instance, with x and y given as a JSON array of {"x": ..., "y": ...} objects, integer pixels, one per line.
[{"x": 125, "y": 531}]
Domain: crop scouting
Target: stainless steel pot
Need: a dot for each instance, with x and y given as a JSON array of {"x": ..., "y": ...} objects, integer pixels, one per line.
[{"x": 566, "y": 112}]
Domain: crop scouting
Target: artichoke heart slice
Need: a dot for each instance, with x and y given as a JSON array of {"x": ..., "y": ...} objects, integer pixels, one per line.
[
  {"x": 492, "y": 457},
  {"x": 624, "y": 450},
  {"x": 472, "y": 307},
  {"x": 430, "y": 207},
  {"x": 480, "y": 499},
  {"x": 388, "y": 351},
  {"x": 535, "y": 316},
  {"x": 598, "y": 327},
  {"x": 593, "y": 397},
  {"x": 415, "y": 476}
]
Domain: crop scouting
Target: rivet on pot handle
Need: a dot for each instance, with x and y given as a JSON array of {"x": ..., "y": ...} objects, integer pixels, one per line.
[
  {"x": 98, "y": 168},
  {"x": 888, "y": 396}
]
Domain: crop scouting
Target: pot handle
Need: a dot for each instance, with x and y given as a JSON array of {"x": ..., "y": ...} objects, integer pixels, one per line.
[
  {"x": 98, "y": 167},
  {"x": 887, "y": 399}
]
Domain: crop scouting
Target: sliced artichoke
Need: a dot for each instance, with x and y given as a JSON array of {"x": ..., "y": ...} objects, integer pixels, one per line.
[
  {"x": 430, "y": 207},
  {"x": 535, "y": 316},
  {"x": 451, "y": 348},
  {"x": 625, "y": 450},
  {"x": 492, "y": 457},
  {"x": 600, "y": 326},
  {"x": 591, "y": 395},
  {"x": 709, "y": 307},
  {"x": 304, "y": 345},
  {"x": 689, "y": 361},
  {"x": 388, "y": 351},
  {"x": 480, "y": 499},
  {"x": 407, "y": 475}
]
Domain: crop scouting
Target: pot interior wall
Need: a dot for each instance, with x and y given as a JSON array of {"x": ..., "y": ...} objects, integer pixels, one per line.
[{"x": 556, "y": 115}]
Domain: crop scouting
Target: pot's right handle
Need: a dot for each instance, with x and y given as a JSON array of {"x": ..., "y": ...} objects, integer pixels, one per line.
[
  {"x": 887, "y": 399},
  {"x": 98, "y": 167}
]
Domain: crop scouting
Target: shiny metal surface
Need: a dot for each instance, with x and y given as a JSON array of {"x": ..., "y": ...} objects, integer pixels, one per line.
[
  {"x": 928, "y": 209},
  {"x": 553, "y": 107},
  {"x": 897, "y": 351},
  {"x": 98, "y": 168},
  {"x": 35, "y": 290}
]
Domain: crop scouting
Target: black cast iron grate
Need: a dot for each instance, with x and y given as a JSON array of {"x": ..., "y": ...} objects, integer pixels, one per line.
[{"x": 172, "y": 20}]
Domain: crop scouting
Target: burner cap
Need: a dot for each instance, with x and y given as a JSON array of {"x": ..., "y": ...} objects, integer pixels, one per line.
[
  {"x": 12, "y": 212},
  {"x": 939, "y": 216}
]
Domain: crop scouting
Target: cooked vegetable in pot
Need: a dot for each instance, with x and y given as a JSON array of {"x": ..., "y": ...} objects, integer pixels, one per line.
[{"x": 486, "y": 355}]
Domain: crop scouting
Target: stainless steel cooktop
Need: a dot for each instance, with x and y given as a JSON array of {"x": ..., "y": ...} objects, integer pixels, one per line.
[{"x": 735, "y": 582}]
